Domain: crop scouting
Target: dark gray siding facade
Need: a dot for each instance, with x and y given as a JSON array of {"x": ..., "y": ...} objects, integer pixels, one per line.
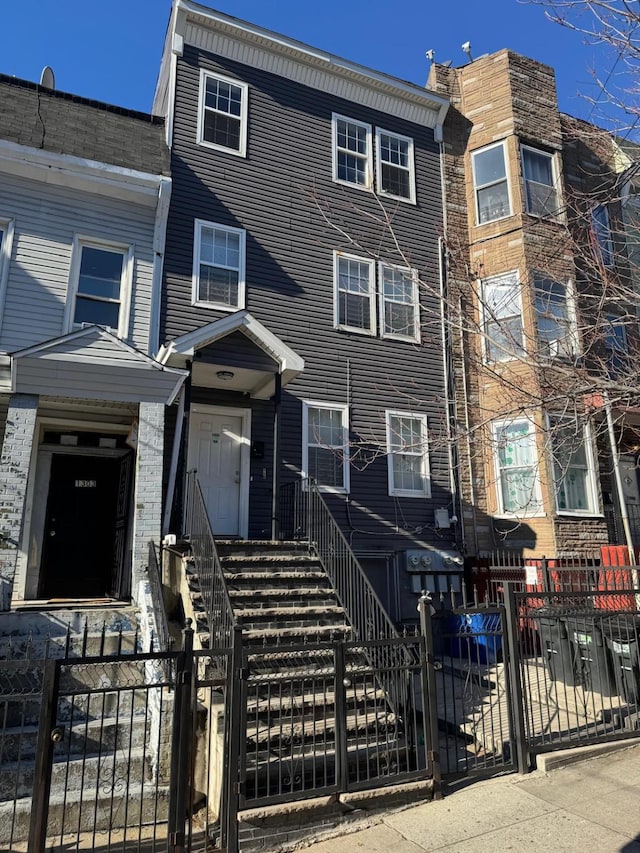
[{"x": 277, "y": 194}]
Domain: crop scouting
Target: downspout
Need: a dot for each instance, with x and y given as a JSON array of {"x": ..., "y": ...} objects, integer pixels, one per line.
[
  {"x": 621, "y": 501},
  {"x": 275, "y": 473},
  {"x": 159, "y": 235}
]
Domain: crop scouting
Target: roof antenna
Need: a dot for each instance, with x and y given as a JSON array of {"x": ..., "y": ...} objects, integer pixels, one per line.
[
  {"x": 47, "y": 78},
  {"x": 431, "y": 55},
  {"x": 466, "y": 47}
]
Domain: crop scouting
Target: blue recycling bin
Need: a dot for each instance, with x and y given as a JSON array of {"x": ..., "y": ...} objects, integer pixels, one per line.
[{"x": 476, "y": 637}]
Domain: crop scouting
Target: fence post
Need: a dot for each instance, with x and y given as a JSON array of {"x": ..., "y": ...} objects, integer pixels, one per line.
[
  {"x": 546, "y": 577},
  {"x": 515, "y": 694},
  {"x": 342, "y": 780},
  {"x": 235, "y": 713},
  {"x": 429, "y": 693},
  {"x": 44, "y": 758},
  {"x": 180, "y": 744}
]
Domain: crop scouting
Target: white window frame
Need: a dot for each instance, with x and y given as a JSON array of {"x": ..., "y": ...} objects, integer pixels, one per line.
[
  {"x": 571, "y": 339},
  {"x": 367, "y": 158},
  {"x": 511, "y": 278},
  {"x": 415, "y": 302},
  {"x": 126, "y": 282},
  {"x": 602, "y": 236},
  {"x": 424, "y": 456},
  {"x": 555, "y": 182},
  {"x": 411, "y": 168},
  {"x": 198, "y": 225},
  {"x": 6, "y": 247},
  {"x": 343, "y": 408},
  {"x": 204, "y": 76},
  {"x": 337, "y": 257},
  {"x": 591, "y": 488},
  {"x": 477, "y": 187},
  {"x": 536, "y": 510}
]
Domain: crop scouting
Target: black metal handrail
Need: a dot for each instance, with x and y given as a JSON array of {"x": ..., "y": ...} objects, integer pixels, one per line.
[
  {"x": 213, "y": 587},
  {"x": 306, "y": 516},
  {"x": 162, "y": 638}
]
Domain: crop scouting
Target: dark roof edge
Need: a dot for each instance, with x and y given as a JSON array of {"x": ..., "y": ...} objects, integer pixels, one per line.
[{"x": 89, "y": 102}]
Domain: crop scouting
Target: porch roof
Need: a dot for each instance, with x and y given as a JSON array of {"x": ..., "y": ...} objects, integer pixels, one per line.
[
  {"x": 232, "y": 367},
  {"x": 93, "y": 364}
]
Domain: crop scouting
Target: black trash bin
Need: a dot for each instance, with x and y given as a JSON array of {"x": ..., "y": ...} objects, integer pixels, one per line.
[
  {"x": 592, "y": 663},
  {"x": 554, "y": 641},
  {"x": 622, "y": 637}
]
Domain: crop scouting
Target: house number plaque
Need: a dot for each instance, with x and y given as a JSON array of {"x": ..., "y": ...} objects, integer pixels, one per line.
[{"x": 86, "y": 484}]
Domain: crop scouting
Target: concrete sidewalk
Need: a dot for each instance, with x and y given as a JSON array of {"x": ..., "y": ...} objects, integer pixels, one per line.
[{"x": 590, "y": 806}]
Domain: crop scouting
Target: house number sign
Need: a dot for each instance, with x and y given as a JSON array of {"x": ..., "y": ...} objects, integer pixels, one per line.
[{"x": 86, "y": 484}]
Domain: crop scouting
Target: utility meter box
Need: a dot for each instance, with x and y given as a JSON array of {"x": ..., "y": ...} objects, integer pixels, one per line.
[{"x": 434, "y": 570}]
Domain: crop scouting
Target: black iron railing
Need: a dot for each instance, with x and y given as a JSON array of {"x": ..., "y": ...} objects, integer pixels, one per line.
[
  {"x": 615, "y": 526},
  {"x": 306, "y": 516},
  {"x": 213, "y": 588},
  {"x": 161, "y": 639}
]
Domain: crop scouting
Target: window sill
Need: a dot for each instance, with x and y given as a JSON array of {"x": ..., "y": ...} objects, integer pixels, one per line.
[
  {"x": 492, "y": 221},
  {"x": 576, "y": 513},
  {"x": 368, "y": 188},
  {"x": 519, "y": 516},
  {"x": 405, "y": 494},
  {"x": 404, "y": 338},
  {"x": 410, "y": 200},
  {"x": 351, "y": 330},
  {"x": 215, "y": 306}
]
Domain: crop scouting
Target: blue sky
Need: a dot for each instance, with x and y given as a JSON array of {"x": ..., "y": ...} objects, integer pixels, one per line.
[{"x": 110, "y": 49}]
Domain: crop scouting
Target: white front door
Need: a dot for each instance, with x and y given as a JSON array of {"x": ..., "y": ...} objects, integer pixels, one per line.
[{"x": 217, "y": 450}]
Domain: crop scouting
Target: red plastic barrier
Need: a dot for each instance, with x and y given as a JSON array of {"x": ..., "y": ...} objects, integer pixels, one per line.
[{"x": 616, "y": 573}]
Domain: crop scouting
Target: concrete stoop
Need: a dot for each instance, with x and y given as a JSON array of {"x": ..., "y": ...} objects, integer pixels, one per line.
[{"x": 293, "y": 825}]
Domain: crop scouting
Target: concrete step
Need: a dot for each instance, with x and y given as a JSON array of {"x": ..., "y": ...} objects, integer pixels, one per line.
[
  {"x": 316, "y": 729},
  {"x": 301, "y": 634},
  {"x": 248, "y": 548},
  {"x": 268, "y": 562},
  {"x": 299, "y": 701},
  {"x": 279, "y": 578}
]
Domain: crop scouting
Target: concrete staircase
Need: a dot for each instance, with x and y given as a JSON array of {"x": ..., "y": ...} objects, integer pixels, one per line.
[
  {"x": 291, "y": 619},
  {"x": 108, "y": 770}
]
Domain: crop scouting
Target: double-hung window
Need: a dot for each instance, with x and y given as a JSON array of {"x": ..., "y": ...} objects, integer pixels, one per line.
[
  {"x": 516, "y": 461},
  {"x": 573, "y": 468},
  {"x": 222, "y": 118},
  {"x": 601, "y": 230},
  {"x": 100, "y": 285},
  {"x": 325, "y": 445},
  {"x": 490, "y": 184},
  {"x": 354, "y": 293},
  {"x": 538, "y": 170},
  {"x": 395, "y": 165},
  {"x": 218, "y": 266},
  {"x": 555, "y": 318},
  {"x": 501, "y": 311},
  {"x": 407, "y": 455},
  {"x": 352, "y": 154},
  {"x": 399, "y": 304},
  {"x": 617, "y": 355}
]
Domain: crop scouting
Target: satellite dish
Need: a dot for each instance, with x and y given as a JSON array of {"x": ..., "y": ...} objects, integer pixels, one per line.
[{"x": 47, "y": 78}]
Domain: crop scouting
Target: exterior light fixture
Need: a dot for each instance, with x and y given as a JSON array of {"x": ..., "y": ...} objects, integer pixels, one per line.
[{"x": 225, "y": 375}]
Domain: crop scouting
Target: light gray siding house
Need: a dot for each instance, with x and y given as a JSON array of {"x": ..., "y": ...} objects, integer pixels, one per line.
[
  {"x": 84, "y": 190},
  {"x": 302, "y": 286}
]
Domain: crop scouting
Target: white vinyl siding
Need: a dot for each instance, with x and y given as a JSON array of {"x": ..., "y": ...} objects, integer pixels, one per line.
[
  {"x": 407, "y": 455},
  {"x": 35, "y": 306},
  {"x": 395, "y": 165},
  {"x": 222, "y": 113},
  {"x": 491, "y": 186},
  {"x": 352, "y": 152},
  {"x": 399, "y": 303},
  {"x": 501, "y": 312},
  {"x": 516, "y": 465},
  {"x": 325, "y": 445},
  {"x": 573, "y": 467},
  {"x": 218, "y": 266},
  {"x": 354, "y": 293},
  {"x": 555, "y": 318},
  {"x": 539, "y": 173}
]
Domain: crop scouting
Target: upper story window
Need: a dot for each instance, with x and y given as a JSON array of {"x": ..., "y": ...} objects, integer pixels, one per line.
[
  {"x": 538, "y": 170},
  {"x": 573, "y": 466},
  {"x": 100, "y": 285},
  {"x": 408, "y": 458},
  {"x": 555, "y": 318},
  {"x": 218, "y": 266},
  {"x": 395, "y": 161},
  {"x": 501, "y": 312},
  {"x": 516, "y": 461},
  {"x": 222, "y": 119},
  {"x": 352, "y": 155},
  {"x": 325, "y": 445},
  {"x": 490, "y": 183},
  {"x": 601, "y": 230},
  {"x": 355, "y": 293},
  {"x": 399, "y": 311},
  {"x": 618, "y": 359}
]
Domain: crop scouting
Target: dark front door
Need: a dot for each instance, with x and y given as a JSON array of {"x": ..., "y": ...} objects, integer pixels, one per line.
[{"x": 79, "y": 552}]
